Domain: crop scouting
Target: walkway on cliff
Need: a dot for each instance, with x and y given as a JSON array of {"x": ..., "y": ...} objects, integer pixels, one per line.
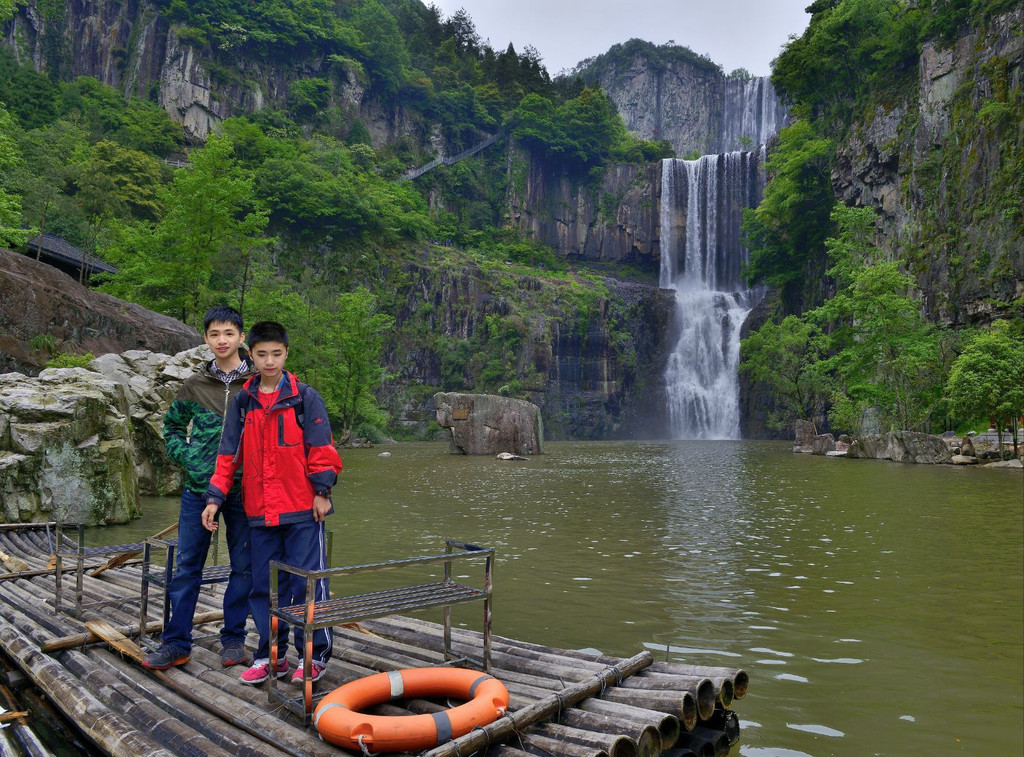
[{"x": 415, "y": 173}]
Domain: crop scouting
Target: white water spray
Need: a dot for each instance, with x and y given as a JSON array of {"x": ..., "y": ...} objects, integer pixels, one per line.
[{"x": 704, "y": 199}]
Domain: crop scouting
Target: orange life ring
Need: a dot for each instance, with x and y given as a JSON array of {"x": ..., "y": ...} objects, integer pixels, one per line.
[{"x": 339, "y": 721}]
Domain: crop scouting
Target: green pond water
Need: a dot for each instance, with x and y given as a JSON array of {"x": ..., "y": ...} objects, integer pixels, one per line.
[{"x": 878, "y": 607}]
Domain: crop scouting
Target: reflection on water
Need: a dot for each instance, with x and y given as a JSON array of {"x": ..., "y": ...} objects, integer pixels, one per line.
[{"x": 878, "y": 607}]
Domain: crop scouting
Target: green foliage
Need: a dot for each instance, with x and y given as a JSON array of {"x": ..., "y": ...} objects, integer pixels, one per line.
[
  {"x": 579, "y": 135},
  {"x": 167, "y": 266},
  {"x": 786, "y": 357},
  {"x": 987, "y": 379},
  {"x": 70, "y": 360},
  {"x": 883, "y": 355},
  {"x": 43, "y": 343},
  {"x": 789, "y": 227},
  {"x": 620, "y": 57}
]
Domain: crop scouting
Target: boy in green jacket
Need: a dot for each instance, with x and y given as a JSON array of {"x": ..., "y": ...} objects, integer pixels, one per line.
[{"x": 202, "y": 402}]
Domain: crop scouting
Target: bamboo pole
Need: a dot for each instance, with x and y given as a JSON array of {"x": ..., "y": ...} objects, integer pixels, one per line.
[
  {"x": 678, "y": 703},
  {"x": 131, "y": 629},
  {"x": 703, "y": 689},
  {"x": 511, "y": 722},
  {"x": 698, "y": 744},
  {"x": 616, "y": 745},
  {"x": 545, "y": 745},
  {"x": 668, "y": 726},
  {"x": 718, "y": 738},
  {"x": 740, "y": 678},
  {"x": 725, "y": 721},
  {"x": 648, "y": 739},
  {"x": 101, "y": 724}
]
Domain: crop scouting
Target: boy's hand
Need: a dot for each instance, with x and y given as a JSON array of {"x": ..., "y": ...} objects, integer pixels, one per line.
[
  {"x": 321, "y": 506},
  {"x": 210, "y": 517}
]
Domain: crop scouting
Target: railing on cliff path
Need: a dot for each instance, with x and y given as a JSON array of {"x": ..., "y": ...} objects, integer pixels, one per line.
[{"x": 449, "y": 160}]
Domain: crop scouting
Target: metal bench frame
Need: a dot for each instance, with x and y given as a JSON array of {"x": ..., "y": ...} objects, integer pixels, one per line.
[
  {"x": 212, "y": 574},
  {"x": 352, "y": 608},
  {"x": 80, "y": 553}
]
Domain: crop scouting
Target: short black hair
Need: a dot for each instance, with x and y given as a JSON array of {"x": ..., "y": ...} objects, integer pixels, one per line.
[
  {"x": 267, "y": 331},
  {"x": 222, "y": 314}
]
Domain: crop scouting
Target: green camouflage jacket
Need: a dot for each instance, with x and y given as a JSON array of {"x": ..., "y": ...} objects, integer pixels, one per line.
[{"x": 201, "y": 402}]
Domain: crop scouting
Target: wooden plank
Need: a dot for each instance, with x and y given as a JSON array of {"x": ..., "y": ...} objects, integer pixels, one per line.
[
  {"x": 7, "y": 717},
  {"x": 81, "y": 639},
  {"x": 117, "y": 640},
  {"x": 12, "y": 563}
]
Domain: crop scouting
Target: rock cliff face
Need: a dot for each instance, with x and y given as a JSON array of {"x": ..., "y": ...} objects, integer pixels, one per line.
[
  {"x": 40, "y": 300},
  {"x": 692, "y": 104},
  {"x": 594, "y": 374},
  {"x": 943, "y": 168},
  {"x": 616, "y": 221},
  {"x": 128, "y": 45}
]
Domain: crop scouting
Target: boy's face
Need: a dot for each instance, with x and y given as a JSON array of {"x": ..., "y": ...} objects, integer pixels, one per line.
[
  {"x": 224, "y": 339},
  {"x": 269, "y": 357}
]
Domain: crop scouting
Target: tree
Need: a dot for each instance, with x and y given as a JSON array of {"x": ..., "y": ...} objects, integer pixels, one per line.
[
  {"x": 882, "y": 352},
  {"x": 988, "y": 379},
  {"x": 167, "y": 266},
  {"x": 785, "y": 356},
  {"x": 11, "y": 232},
  {"x": 789, "y": 227}
]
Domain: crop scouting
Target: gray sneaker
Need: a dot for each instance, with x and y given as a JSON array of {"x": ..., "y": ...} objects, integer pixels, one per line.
[
  {"x": 165, "y": 657},
  {"x": 233, "y": 653}
]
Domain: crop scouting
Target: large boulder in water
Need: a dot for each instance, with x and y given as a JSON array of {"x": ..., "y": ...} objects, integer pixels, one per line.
[
  {"x": 902, "y": 447},
  {"x": 822, "y": 444},
  {"x": 484, "y": 424},
  {"x": 805, "y": 433}
]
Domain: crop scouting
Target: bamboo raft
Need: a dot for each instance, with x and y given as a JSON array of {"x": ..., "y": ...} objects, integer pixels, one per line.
[{"x": 562, "y": 702}]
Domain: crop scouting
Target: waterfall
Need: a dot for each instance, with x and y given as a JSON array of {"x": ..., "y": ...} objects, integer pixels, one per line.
[
  {"x": 701, "y": 258},
  {"x": 751, "y": 114}
]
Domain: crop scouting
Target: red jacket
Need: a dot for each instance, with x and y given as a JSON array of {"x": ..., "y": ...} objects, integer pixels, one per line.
[{"x": 287, "y": 452}]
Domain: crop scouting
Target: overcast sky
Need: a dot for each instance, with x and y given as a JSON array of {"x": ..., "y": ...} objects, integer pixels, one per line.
[{"x": 733, "y": 33}]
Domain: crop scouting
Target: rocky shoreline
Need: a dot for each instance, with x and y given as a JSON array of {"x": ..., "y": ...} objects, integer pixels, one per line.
[{"x": 906, "y": 447}]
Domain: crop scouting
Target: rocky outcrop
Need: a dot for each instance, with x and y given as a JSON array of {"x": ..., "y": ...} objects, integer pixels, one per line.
[
  {"x": 822, "y": 444},
  {"x": 483, "y": 424},
  {"x": 80, "y": 445},
  {"x": 902, "y": 447},
  {"x": 687, "y": 101},
  {"x": 150, "y": 380},
  {"x": 938, "y": 169},
  {"x": 131, "y": 46},
  {"x": 805, "y": 434},
  {"x": 66, "y": 448},
  {"x": 617, "y": 220},
  {"x": 38, "y": 300}
]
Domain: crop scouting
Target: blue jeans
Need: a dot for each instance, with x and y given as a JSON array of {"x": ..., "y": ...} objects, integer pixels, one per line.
[
  {"x": 302, "y": 545},
  {"x": 193, "y": 546}
]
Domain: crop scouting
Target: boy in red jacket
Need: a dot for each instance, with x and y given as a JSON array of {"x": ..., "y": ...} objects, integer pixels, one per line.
[{"x": 279, "y": 428}]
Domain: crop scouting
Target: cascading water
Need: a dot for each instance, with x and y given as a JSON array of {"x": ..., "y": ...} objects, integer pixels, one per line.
[
  {"x": 751, "y": 113},
  {"x": 701, "y": 258}
]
